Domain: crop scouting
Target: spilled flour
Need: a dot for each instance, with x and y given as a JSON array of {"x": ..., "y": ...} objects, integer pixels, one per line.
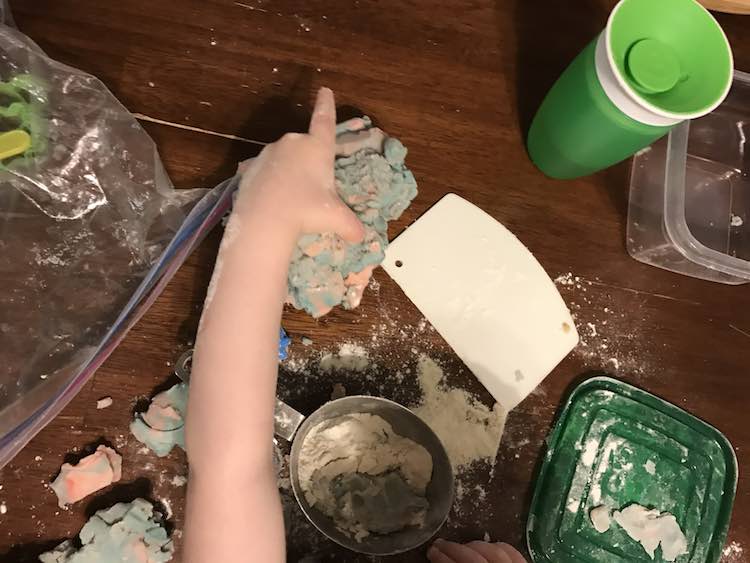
[
  {"x": 350, "y": 357},
  {"x": 358, "y": 471},
  {"x": 612, "y": 321},
  {"x": 468, "y": 429},
  {"x": 733, "y": 553}
]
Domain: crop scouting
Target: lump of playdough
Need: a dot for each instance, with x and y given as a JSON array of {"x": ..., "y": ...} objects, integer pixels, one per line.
[
  {"x": 125, "y": 533},
  {"x": 162, "y": 426},
  {"x": 600, "y": 519},
  {"x": 651, "y": 528},
  {"x": 284, "y": 342},
  {"x": 367, "y": 478},
  {"x": 373, "y": 180},
  {"x": 93, "y": 472}
]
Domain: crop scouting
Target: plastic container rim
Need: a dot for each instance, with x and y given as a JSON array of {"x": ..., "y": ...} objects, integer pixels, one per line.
[{"x": 675, "y": 223}]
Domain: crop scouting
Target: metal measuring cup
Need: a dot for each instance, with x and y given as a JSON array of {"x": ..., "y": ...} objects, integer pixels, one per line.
[{"x": 293, "y": 427}]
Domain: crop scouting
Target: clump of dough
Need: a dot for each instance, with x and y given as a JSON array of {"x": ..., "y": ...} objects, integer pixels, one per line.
[
  {"x": 373, "y": 180},
  {"x": 367, "y": 478},
  {"x": 600, "y": 518},
  {"x": 92, "y": 473},
  {"x": 652, "y": 528},
  {"x": 162, "y": 426},
  {"x": 127, "y": 532}
]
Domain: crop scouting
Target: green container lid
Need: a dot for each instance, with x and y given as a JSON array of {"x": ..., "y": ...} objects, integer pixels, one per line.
[{"x": 616, "y": 445}]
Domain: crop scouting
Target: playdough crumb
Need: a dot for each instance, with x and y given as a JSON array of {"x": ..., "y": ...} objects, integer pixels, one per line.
[
  {"x": 125, "y": 533},
  {"x": 3, "y": 508},
  {"x": 350, "y": 357},
  {"x": 179, "y": 480},
  {"x": 600, "y": 518},
  {"x": 338, "y": 391},
  {"x": 104, "y": 402},
  {"x": 93, "y": 472},
  {"x": 306, "y": 341}
]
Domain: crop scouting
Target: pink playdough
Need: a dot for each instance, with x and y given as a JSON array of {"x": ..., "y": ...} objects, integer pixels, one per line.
[{"x": 94, "y": 472}]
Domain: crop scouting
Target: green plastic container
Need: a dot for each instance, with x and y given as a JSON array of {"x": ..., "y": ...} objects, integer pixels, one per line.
[
  {"x": 656, "y": 64},
  {"x": 616, "y": 445}
]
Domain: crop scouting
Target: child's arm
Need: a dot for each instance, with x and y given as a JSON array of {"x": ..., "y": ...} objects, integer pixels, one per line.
[{"x": 233, "y": 509}]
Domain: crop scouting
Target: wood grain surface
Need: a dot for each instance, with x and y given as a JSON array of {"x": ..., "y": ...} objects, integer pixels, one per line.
[
  {"x": 457, "y": 82},
  {"x": 730, "y": 6}
]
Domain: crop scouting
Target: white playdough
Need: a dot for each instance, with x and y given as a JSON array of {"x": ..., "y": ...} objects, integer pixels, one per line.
[
  {"x": 651, "y": 528},
  {"x": 600, "y": 518}
]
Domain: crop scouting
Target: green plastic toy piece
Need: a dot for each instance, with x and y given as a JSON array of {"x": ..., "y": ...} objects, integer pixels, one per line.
[{"x": 23, "y": 127}]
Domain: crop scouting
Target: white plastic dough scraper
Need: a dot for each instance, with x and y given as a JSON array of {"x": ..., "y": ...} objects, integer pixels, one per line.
[{"x": 486, "y": 295}]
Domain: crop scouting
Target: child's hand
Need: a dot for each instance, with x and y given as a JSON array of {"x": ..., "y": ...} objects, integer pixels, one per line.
[
  {"x": 292, "y": 180},
  {"x": 475, "y": 552}
]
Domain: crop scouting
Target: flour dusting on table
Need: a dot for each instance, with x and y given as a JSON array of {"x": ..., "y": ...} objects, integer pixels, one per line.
[
  {"x": 733, "y": 553},
  {"x": 469, "y": 430},
  {"x": 350, "y": 356},
  {"x": 609, "y": 336}
]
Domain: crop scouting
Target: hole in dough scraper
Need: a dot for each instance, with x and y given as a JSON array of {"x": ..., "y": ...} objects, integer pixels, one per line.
[{"x": 486, "y": 295}]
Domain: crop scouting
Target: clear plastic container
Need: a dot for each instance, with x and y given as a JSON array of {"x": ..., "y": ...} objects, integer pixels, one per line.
[{"x": 689, "y": 208}]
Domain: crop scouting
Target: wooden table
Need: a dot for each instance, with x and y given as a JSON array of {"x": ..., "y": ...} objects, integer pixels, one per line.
[{"x": 458, "y": 82}]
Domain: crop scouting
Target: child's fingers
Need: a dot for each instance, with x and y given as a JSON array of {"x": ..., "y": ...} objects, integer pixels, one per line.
[
  {"x": 347, "y": 225},
  {"x": 512, "y": 552},
  {"x": 434, "y": 555},
  {"x": 323, "y": 120},
  {"x": 458, "y": 553},
  {"x": 492, "y": 552},
  {"x": 244, "y": 165}
]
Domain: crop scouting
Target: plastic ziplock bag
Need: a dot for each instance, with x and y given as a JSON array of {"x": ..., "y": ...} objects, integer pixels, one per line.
[{"x": 91, "y": 230}]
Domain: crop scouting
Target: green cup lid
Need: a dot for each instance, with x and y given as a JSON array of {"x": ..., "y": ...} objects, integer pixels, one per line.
[
  {"x": 653, "y": 66},
  {"x": 615, "y": 445},
  {"x": 672, "y": 53}
]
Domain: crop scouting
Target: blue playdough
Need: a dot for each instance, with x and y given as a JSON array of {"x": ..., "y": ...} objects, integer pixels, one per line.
[
  {"x": 284, "y": 342},
  {"x": 373, "y": 180},
  {"x": 162, "y": 426},
  {"x": 124, "y": 533}
]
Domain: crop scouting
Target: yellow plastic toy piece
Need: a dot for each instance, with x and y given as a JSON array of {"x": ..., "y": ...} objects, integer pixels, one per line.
[{"x": 13, "y": 143}]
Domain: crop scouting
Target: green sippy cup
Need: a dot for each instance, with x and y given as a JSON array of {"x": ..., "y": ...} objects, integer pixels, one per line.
[{"x": 656, "y": 64}]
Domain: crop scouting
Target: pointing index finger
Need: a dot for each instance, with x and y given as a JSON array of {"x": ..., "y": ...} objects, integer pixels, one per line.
[{"x": 323, "y": 120}]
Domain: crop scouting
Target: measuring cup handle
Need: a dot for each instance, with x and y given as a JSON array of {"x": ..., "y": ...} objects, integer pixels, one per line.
[{"x": 286, "y": 421}]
